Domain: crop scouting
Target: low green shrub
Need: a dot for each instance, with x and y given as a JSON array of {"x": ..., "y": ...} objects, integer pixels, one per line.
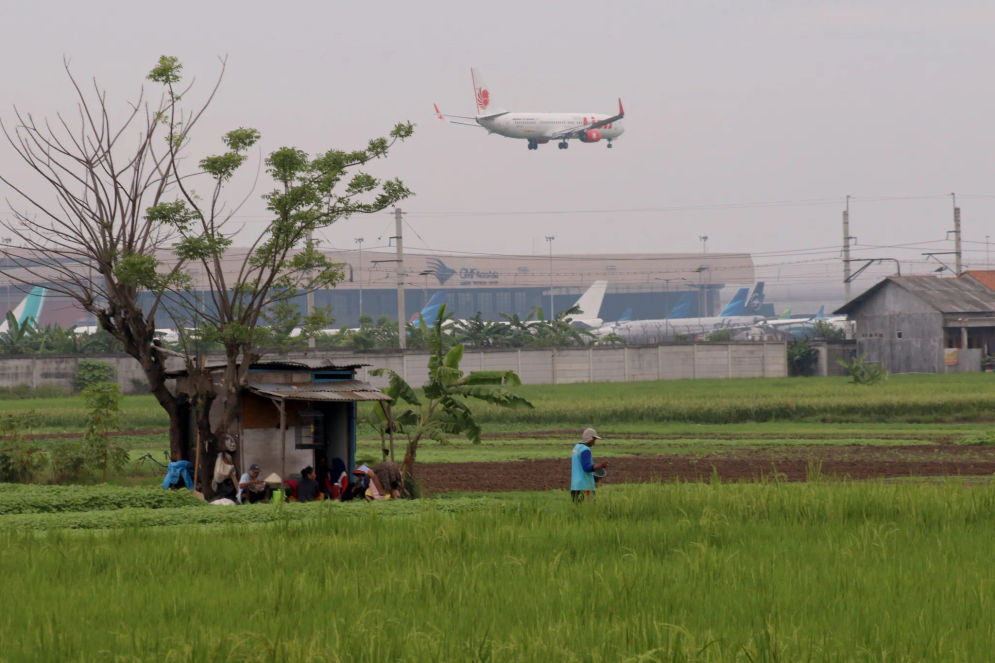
[
  {"x": 28, "y": 499},
  {"x": 93, "y": 371}
]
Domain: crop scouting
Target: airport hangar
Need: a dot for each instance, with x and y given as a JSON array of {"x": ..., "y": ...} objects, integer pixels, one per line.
[{"x": 649, "y": 284}]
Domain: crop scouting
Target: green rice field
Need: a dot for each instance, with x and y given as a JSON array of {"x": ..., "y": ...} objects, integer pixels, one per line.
[
  {"x": 824, "y": 571},
  {"x": 962, "y": 397}
]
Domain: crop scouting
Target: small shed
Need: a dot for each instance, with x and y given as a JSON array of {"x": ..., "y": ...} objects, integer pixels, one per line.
[
  {"x": 924, "y": 324},
  {"x": 293, "y": 412}
]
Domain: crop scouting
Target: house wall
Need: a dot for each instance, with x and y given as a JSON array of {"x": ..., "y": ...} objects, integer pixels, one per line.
[{"x": 900, "y": 330}]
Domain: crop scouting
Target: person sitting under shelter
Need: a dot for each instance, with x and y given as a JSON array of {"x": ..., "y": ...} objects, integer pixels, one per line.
[
  {"x": 251, "y": 488},
  {"x": 389, "y": 476},
  {"x": 339, "y": 477},
  {"x": 307, "y": 488}
]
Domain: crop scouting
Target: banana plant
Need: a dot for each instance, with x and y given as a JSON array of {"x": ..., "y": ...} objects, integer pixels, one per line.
[{"x": 441, "y": 410}]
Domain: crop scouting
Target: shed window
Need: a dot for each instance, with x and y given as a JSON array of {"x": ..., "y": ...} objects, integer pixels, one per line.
[
  {"x": 898, "y": 334},
  {"x": 330, "y": 376},
  {"x": 309, "y": 429}
]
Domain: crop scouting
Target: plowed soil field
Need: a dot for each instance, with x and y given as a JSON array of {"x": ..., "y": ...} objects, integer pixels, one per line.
[{"x": 752, "y": 464}]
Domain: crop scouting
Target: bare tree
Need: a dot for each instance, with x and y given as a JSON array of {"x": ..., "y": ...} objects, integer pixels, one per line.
[{"x": 122, "y": 225}]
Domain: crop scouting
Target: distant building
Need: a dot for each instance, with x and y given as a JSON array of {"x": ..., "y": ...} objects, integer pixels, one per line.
[
  {"x": 649, "y": 284},
  {"x": 925, "y": 324}
]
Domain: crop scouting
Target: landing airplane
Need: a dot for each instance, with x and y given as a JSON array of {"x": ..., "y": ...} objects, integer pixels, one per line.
[{"x": 537, "y": 128}]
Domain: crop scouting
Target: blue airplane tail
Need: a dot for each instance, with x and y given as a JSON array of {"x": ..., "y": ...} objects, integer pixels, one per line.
[
  {"x": 736, "y": 305},
  {"x": 683, "y": 307},
  {"x": 626, "y": 315},
  {"x": 430, "y": 311},
  {"x": 756, "y": 300}
]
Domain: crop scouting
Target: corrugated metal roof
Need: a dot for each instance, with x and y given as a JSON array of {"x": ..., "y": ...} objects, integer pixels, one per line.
[
  {"x": 297, "y": 363},
  {"x": 342, "y": 391},
  {"x": 946, "y": 295}
]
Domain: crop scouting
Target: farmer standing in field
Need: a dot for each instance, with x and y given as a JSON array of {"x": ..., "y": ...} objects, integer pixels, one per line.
[{"x": 582, "y": 467}]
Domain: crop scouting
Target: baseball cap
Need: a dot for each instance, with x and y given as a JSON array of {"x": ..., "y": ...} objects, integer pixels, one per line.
[
  {"x": 362, "y": 469},
  {"x": 254, "y": 468},
  {"x": 589, "y": 434}
]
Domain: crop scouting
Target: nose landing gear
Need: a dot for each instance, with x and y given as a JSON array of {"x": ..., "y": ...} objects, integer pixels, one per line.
[{"x": 609, "y": 145}]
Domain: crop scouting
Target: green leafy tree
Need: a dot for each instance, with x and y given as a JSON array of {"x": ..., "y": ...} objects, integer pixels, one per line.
[
  {"x": 801, "y": 358},
  {"x": 130, "y": 217},
  {"x": 479, "y": 333},
  {"x": 441, "y": 410},
  {"x": 827, "y": 332},
  {"x": 559, "y": 331},
  {"x": 18, "y": 338},
  {"x": 92, "y": 371},
  {"x": 862, "y": 371},
  {"x": 20, "y": 459},
  {"x": 103, "y": 402},
  {"x": 518, "y": 332}
]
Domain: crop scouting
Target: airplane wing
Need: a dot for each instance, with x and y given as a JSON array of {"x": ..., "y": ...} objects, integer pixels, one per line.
[
  {"x": 447, "y": 118},
  {"x": 580, "y": 129}
]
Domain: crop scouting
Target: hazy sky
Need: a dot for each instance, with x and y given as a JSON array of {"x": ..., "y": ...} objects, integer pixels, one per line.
[{"x": 748, "y": 122}]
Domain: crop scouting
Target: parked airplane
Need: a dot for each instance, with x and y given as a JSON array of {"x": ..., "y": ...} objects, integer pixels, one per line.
[
  {"x": 28, "y": 309},
  {"x": 682, "y": 307},
  {"x": 798, "y": 328},
  {"x": 737, "y": 304},
  {"x": 537, "y": 128},
  {"x": 657, "y": 331},
  {"x": 430, "y": 312},
  {"x": 589, "y": 304}
]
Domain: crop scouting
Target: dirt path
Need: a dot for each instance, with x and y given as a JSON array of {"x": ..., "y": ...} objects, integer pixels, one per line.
[{"x": 789, "y": 464}]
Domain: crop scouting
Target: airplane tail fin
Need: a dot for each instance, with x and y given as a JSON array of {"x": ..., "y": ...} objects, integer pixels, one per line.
[
  {"x": 590, "y": 302},
  {"x": 736, "y": 305},
  {"x": 756, "y": 300},
  {"x": 682, "y": 308},
  {"x": 482, "y": 96},
  {"x": 821, "y": 315},
  {"x": 28, "y": 308},
  {"x": 626, "y": 315},
  {"x": 786, "y": 313},
  {"x": 430, "y": 311}
]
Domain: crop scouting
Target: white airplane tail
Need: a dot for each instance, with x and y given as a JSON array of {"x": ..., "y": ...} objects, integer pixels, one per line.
[
  {"x": 590, "y": 302},
  {"x": 482, "y": 96}
]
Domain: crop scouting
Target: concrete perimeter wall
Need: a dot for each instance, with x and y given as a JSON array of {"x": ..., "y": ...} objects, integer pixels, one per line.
[
  {"x": 665, "y": 362},
  {"x": 545, "y": 366}
]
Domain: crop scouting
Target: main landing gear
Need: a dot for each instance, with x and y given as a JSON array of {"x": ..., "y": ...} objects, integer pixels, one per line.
[
  {"x": 562, "y": 145},
  {"x": 533, "y": 145}
]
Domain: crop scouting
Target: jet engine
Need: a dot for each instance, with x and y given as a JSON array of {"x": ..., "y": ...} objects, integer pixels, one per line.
[{"x": 591, "y": 136}]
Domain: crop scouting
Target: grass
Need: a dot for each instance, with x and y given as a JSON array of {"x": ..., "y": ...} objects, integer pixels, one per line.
[
  {"x": 692, "y": 572},
  {"x": 902, "y": 398}
]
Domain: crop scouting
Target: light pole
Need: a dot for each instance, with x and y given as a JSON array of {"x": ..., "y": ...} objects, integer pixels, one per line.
[
  {"x": 704, "y": 243},
  {"x": 359, "y": 242},
  {"x": 701, "y": 289},
  {"x": 7, "y": 243},
  {"x": 549, "y": 240}
]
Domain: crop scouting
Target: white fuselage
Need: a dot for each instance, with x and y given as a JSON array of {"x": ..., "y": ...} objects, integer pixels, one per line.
[
  {"x": 540, "y": 127},
  {"x": 660, "y": 331}
]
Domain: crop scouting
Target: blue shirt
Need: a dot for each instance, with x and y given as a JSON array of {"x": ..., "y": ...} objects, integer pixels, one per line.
[{"x": 581, "y": 468}]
